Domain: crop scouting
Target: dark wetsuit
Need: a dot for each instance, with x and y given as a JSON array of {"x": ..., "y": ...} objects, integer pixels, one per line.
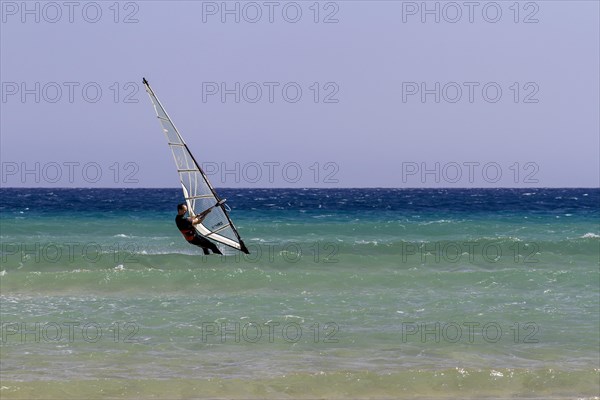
[{"x": 188, "y": 231}]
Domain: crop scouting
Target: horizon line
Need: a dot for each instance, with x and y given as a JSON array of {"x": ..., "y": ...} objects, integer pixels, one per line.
[{"x": 308, "y": 187}]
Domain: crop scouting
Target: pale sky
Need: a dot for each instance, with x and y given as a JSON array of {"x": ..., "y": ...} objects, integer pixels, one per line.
[{"x": 330, "y": 94}]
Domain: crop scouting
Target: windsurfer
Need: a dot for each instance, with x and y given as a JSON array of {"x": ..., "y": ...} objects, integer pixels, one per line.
[{"x": 186, "y": 226}]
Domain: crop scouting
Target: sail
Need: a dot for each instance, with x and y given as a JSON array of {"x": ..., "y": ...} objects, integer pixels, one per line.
[{"x": 197, "y": 190}]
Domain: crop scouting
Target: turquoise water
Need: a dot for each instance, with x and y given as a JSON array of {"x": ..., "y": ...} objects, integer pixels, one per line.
[{"x": 366, "y": 293}]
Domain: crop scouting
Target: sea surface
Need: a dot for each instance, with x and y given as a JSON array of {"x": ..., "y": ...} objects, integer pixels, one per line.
[{"x": 347, "y": 293}]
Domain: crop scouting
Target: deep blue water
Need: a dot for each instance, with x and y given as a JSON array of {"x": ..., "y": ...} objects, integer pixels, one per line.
[{"x": 583, "y": 202}]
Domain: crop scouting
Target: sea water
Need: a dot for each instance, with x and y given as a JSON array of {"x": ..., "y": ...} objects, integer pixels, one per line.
[{"x": 360, "y": 293}]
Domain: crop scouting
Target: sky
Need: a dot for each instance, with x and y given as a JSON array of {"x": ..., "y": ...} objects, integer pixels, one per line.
[{"x": 302, "y": 94}]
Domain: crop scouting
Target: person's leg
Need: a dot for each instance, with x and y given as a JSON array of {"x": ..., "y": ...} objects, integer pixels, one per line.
[
  {"x": 206, "y": 245},
  {"x": 197, "y": 241},
  {"x": 214, "y": 248}
]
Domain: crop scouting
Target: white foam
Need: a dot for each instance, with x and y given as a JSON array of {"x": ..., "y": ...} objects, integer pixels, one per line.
[
  {"x": 289, "y": 316},
  {"x": 590, "y": 235},
  {"x": 440, "y": 221},
  {"x": 374, "y": 242}
]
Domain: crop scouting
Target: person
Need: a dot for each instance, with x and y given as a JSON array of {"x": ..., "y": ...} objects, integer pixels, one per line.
[{"x": 186, "y": 226}]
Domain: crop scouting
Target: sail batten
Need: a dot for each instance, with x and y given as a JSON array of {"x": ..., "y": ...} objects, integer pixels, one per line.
[
  {"x": 218, "y": 230},
  {"x": 197, "y": 190},
  {"x": 202, "y": 196}
]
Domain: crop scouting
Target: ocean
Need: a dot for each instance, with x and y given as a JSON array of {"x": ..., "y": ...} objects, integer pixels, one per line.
[{"x": 346, "y": 293}]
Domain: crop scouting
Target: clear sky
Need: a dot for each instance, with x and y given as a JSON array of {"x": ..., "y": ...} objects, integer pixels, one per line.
[{"x": 302, "y": 94}]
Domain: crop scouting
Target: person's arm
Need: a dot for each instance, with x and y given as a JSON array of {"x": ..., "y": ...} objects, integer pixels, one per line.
[{"x": 200, "y": 217}]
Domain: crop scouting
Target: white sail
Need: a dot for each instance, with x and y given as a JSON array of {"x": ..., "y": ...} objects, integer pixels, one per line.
[{"x": 197, "y": 190}]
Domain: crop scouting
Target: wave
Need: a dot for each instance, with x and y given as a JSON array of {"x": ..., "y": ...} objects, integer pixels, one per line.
[{"x": 590, "y": 235}]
